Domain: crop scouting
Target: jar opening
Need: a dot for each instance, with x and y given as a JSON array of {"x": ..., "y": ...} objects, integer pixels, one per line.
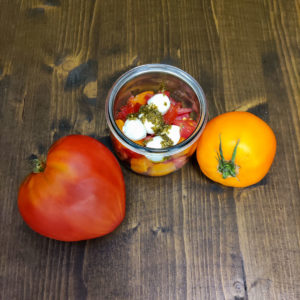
[{"x": 154, "y": 77}]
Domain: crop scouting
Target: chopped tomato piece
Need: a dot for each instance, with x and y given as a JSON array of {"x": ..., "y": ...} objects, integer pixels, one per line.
[
  {"x": 120, "y": 124},
  {"x": 149, "y": 137},
  {"x": 161, "y": 169},
  {"x": 174, "y": 102},
  {"x": 140, "y": 142},
  {"x": 184, "y": 110},
  {"x": 181, "y": 140},
  {"x": 142, "y": 98},
  {"x": 140, "y": 165},
  {"x": 148, "y": 96},
  {"x": 119, "y": 148},
  {"x": 123, "y": 152},
  {"x": 180, "y": 161},
  {"x": 171, "y": 114},
  {"x": 127, "y": 109},
  {"x": 186, "y": 127},
  {"x": 182, "y": 117}
]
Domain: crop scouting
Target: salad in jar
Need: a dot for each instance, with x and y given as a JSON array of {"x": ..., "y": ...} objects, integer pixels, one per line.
[{"x": 157, "y": 121}]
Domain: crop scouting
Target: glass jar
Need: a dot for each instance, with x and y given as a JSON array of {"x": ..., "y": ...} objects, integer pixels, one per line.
[{"x": 155, "y": 77}]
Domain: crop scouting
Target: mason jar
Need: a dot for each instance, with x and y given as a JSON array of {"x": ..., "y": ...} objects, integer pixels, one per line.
[{"x": 183, "y": 88}]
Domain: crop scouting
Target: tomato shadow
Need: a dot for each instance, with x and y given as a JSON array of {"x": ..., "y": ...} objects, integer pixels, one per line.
[{"x": 209, "y": 184}]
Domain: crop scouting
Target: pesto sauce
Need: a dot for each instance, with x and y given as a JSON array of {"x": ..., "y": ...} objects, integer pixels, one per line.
[
  {"x": 151, "y": 114},
  {"x": 167, "y": 142},
  {"x": 132, "y": 116},
  {"x": 166, "y": 129}
]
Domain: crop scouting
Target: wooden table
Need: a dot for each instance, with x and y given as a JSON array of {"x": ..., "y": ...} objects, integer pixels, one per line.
[{"x": 183, "y": 237}]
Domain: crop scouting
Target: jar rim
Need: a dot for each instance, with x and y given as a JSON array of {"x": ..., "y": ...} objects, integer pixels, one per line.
[{"x": 155, "y": 68}]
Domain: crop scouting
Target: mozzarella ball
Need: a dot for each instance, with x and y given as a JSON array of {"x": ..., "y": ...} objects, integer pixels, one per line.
[
  {"x": 148, "y": 125},
  {"x": 134, "y": 129},
  {"x": 155, "y": 142},
  {"x": 173, "y": 133},
  {"x": 161, "y": 101},
  {"x": 156, "y": 157}
]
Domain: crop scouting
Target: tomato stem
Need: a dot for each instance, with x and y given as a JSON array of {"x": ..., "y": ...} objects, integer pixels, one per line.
[
  {"x": 228, "y": 168},
  {"x": 38, "y": 165}
]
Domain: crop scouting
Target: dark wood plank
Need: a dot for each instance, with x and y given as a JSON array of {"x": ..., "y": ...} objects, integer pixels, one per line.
[
  {"x": 273, "y": 224},
  {"x": 184, "y": 237}
]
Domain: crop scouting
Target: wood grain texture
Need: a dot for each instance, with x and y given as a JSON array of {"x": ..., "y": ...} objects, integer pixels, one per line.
[{"x": 184, "y": 237}]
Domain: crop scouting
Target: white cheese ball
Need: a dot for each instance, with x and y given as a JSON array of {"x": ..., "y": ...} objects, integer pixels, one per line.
[
  {"x": 173, "y": 133},
  {"x": 148, "y": 125},
  {"x": 134, "y": 129},
  {"x": 155, "y": 142},
  {"x": 155, "y": 157},
  {"x": 161, "y": 101}
]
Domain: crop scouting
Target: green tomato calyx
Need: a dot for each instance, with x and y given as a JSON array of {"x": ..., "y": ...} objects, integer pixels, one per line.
[
  {"x": 38, "y": 165},
  {"x": 227, "y": 168}
]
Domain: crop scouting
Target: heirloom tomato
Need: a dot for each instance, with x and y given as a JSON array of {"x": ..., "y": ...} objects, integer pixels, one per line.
[
  {"x": 78, "y": 193},
  {"x": 236, "y": 149}
]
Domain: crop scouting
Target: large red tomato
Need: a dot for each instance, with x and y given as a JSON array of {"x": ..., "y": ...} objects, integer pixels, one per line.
[{"x": 79, "y": 195}]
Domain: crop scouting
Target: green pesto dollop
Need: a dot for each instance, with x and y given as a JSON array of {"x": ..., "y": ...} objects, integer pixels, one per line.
[
  {"x": 132, "y": 116},
  {"x": 151, "y": 114},
  {"x": 166, "y": 129},
  {"x": 166, "y": 142}
]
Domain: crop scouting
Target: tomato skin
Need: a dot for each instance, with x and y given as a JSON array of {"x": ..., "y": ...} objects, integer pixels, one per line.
[
  {"x": 187, "y": 126},
  {"x": 75, "y": 197},
  {"x": 184, "y": 111},
  {"x": 172, "y": 113},
  {"x": 255, "y": 151},
  {"x": 130, "y": 108},
  {"x": 142, "y": 98}
]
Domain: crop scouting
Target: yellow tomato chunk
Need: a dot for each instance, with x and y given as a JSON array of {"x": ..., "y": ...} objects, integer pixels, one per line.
[
  {"x": 140, "y": 165},
  {"x": 161, "y": 169},
  {"x": 120, "y": 124},
  {"x": 141, "y": 98}
]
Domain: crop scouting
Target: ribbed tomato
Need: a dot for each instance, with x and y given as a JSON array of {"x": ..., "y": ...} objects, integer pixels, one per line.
[
  {"x": 80, "y": 193},
  {"x": 236, "y": 149}
]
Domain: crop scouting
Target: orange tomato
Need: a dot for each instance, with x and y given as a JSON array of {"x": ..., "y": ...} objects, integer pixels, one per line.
[
  {"x": 142, "y": 98},
  {"x": 236, "y": 149}
]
